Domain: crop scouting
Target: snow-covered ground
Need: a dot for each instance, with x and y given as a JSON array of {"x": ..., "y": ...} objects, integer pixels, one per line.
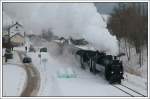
[
  {"x": 136, "y": 83},
  {"x": 53, "y": 83},
  {"x": 61, "y": 75},
  {"x": 14, "y": 78},
  {"x": 132, "y": 66}
]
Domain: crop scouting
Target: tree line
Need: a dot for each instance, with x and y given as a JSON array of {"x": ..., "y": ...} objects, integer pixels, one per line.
[{"x": 129, "y": 21}]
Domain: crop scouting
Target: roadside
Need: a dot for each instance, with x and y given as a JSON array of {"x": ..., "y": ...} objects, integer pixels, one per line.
[
  {"x": 33, "y": 80},
  {"x": 14, "y": 73},
  {"x": 24, "y": 78}
]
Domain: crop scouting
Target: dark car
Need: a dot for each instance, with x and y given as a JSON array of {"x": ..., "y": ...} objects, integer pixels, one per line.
[
  {"x": 8, "y": 54},
  {"x": 32, "y": 49},
  {"x": 27, "y": 60},
  {"x": 8, "y": 50},
  {"x": 43, "y": 49}
]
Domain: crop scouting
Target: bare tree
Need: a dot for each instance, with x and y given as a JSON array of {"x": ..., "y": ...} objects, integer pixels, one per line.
[{"x": 129, "y": 21}]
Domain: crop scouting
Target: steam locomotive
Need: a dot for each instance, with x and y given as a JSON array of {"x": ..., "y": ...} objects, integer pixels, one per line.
[{"x": 97, "y": 61}]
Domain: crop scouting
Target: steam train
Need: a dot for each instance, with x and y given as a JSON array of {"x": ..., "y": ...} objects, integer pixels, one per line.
[{"x": 97, "y": 61}]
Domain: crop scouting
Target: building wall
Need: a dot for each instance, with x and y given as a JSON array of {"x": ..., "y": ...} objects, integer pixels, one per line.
[
  {"x": 16, "y": 29},
  {"x": 17, "y": 39}
]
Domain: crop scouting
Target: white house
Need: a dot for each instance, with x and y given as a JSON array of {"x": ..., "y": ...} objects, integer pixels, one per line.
[
  {"x": 16, "y": 29},
  {"x": 17, "y": 34}
]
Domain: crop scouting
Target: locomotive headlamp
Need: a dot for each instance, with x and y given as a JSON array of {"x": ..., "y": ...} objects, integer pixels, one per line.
[{"x": 112, "y": 72}]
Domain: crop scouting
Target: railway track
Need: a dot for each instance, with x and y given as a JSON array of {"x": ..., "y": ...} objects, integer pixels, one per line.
[{"x": 128, "y": 91}]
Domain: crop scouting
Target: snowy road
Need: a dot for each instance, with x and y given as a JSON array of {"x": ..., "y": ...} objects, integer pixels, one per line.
[{"x": 33, "y": 78}]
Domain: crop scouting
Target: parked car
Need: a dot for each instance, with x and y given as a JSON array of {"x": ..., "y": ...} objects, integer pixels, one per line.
[
  {"x": 27, "y": 60},
  {"x": 43, "y": 49},
  {"x": 8, "y": 54},
  {"x": 8, "y": 50}
]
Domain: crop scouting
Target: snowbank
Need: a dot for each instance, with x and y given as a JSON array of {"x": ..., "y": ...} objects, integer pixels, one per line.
[{"x": 14, "y": 78}]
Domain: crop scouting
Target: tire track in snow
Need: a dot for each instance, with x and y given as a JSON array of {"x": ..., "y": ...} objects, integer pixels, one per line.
[{"x": 33, "y": 78}]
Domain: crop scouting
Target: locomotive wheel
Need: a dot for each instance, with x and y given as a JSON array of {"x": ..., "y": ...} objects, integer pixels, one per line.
[
  {"x": 111, "y": 82},
  {"x": 93, "y": 67},
  {"x": 119, "y": 81},
  {"x": 82, "y": 64},
  {"x": 107, "y": 76}
]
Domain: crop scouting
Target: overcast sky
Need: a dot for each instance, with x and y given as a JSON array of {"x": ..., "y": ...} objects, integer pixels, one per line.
[{"x": 105, "y": 8}]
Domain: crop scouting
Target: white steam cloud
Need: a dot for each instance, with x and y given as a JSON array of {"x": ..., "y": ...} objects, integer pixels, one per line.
[{"x": 77, "y": 20}]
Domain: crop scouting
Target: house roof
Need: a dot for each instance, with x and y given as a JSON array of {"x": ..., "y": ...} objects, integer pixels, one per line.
[
  {"x": 17, "y": 34},
  {"x": 15, "y": 24}
]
